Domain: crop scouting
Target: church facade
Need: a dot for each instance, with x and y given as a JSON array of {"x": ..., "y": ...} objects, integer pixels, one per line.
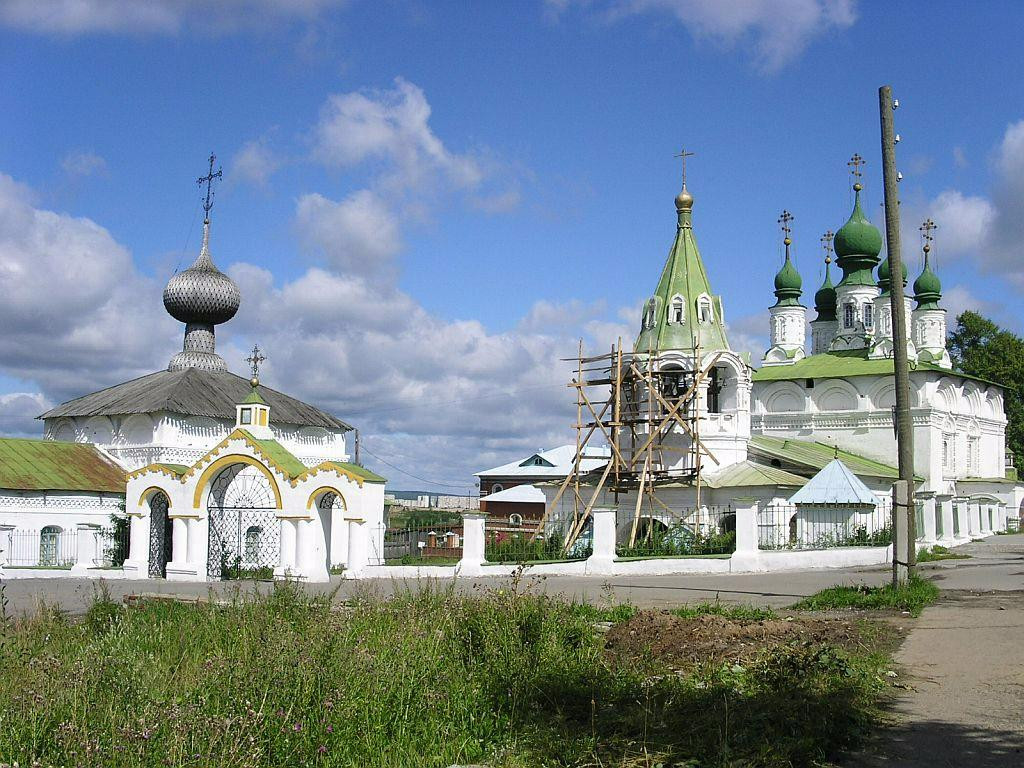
[{"x": 219, "y": 475}]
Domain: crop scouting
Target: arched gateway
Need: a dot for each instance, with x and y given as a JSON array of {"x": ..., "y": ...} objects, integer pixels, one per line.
[{"x": 244, "y": 530}]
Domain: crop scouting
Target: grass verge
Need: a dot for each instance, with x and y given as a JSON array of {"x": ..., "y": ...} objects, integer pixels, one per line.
[
  {"x": 422, "y": 680},
  {"x": 937, "y": 553},
  {"x": 912, "y": 596}
]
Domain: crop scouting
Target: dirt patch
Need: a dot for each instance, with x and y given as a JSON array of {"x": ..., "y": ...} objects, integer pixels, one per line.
[{"x": 682, "y": 642}]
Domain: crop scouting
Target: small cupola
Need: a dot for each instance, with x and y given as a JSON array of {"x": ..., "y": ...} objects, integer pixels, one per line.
[{"x": 253, "y": 413}]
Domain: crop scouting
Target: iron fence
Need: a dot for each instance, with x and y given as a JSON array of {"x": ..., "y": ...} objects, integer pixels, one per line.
[
  {"x": 50, "y": 547},
  {"x": 508, "y": 540},
  {"x": 824, "y": 526},
  {"x": 688, "y": 532},
  {"x": 423, "y": 545},
  {"x": 112, "y": 545},
  {"x": 1013, "y": 525}
]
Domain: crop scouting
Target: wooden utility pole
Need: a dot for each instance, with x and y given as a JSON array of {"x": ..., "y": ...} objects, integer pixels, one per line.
[{"x": 904, "y": 554}]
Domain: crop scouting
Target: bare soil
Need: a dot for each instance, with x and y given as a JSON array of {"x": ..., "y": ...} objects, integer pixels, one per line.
[{"x": 684, "y": 642}]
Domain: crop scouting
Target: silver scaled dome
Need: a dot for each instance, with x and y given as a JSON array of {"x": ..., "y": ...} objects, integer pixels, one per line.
[{"x": 202, "y": 294}]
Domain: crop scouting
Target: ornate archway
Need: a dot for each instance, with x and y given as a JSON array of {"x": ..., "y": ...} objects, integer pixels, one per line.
[{"x": 244, "y": 530}]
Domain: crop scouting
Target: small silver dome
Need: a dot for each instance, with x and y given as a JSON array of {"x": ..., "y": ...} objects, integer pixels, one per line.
[{"x": 202, "y": 294}]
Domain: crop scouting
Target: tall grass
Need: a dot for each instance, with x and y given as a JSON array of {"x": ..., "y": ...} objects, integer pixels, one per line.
[
  {"x": 420, "y": 680},
  {"x": 912, "y": 596}
]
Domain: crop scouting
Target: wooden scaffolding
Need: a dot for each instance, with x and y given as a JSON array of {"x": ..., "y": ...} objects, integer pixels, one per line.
[{"x": 632, "y": 401}]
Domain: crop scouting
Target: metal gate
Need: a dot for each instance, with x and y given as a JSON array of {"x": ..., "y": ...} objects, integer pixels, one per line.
[
  {"x": 159, "y": 536},
  {"x": 244, "y": 530}
]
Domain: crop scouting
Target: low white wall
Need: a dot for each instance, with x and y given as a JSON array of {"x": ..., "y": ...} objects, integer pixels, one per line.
[{"x": 9, "y": 573}]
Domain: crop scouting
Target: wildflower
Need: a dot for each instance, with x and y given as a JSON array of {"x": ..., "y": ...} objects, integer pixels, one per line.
[
  {"x": 297, "y": 727},
  {"x": 322, "y": 749},
  {"x": 330, "y": 729}
]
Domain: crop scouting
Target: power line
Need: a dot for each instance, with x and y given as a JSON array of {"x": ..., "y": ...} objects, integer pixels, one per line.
[{"x": 410, "y": 474}]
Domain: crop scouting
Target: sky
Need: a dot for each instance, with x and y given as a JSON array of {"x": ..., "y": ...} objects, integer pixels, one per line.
[{"x": 428, "y": 205}]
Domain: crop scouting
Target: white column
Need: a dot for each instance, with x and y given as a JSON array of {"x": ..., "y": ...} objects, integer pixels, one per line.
[
  {"x": 179, "y": 541},
  {"x": 6, "y": 541},
  {"x": 962, "y": 519},
  {"x": 358, "y": 547},
  {"x": 137, "y": 564},
  {"x": 85, "y": 540},
  {"x": 928, "y": 535},
  {"x": 472, "y": 560},
  {"x": 603, "y": 558},
  {"x": 946, "y": 511},
  {"x": 193, "y": 553},
  {"x": 746, "y": 557},
  {"x": 286, "y": 562},
  {"x": 311, "y": 560}
]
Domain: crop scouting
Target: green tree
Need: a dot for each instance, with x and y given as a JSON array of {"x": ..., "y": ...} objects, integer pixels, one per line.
[{"x": 981, "y": 348}]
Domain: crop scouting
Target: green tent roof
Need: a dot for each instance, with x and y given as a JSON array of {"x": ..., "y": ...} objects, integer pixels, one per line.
[
  {"x": 751, "y": 473},
  {"x": 279, "y": 455},
  {"x": 847, "y": 363},
  {"x": 50, "y": 465},
  {"x": 683, "y": 278}
]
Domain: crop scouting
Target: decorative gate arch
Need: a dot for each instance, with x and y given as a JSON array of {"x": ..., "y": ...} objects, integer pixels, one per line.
[{"x": 244, "y": 531}]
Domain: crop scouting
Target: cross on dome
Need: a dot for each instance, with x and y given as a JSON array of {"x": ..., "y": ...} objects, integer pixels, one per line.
[
  {"x": 208, "y": 181},
  {"x": 826, "y": 244},
  {"x": 255, "y": 359},
  {"x": 855, "y": 163}
]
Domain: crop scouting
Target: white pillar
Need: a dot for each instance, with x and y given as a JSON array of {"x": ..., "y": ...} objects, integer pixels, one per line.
[
  {"x": 193, "y": 555},
  {"x": 85, "y": 540},
  {"x": 6, "y": 541},
  {"x": 286, "y": 560},
  {"x": 962, "y": 519},
  {"x": 746, "y": 557},
  {"x": 603, "y": 558},
  {"x": 179, "y": 541},
  {"x": 137, "y": 564},
  {"x": 928, "y": 534},
  {"x": 472, "y": 560},
  {"x": 946, "y": 513},
  {"x": 358, "y": 546}
]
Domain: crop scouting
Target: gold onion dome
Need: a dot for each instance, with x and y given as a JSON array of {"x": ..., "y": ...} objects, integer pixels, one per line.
[{"x": 684, "y": 200}]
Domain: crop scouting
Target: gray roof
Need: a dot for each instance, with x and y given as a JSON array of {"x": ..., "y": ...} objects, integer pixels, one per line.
[{"x": 192, "y": 392}]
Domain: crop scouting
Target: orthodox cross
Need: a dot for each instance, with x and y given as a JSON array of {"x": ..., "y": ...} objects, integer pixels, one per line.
[
  {"x": 684, "y": 154},
  {"x": 254, "y": 360},
  {"x": 784, "y": 220},
  {"x": 855, "y": 163},
  {"x": 926, "y": 233},
  {"x": 208, "y": 181},
  {"x": 826, "y": 243}
]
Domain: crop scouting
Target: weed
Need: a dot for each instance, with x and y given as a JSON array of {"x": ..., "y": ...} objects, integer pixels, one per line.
[
  {"x": 911, "y": 596},
  {"x": 938, "y": 552}
]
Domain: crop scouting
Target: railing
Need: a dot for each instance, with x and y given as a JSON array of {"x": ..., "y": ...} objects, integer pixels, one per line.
[
  {"x": 39, "y": 549},
  {"x": 1013, "y": 525},
  {"x": 423, "y": 545},
  {"x": 507, "y": 542},
  {"x": 688, "y": 532},
  {"x": 785, "y": 526}
]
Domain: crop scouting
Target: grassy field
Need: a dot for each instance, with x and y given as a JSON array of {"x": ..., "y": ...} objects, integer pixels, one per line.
[
  {"x": 912, "y": 596},
  {"x": 427, "y": 679}
]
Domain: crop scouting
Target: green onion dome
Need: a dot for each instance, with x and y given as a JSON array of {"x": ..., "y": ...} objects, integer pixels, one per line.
[
  {"x": 885, "y": 275},
  {"x": 857, "y": 243},
  {"x": 788, "y": 283},
  {"x": 825, "y": 297},
  {"x": 927, "y": 288}
]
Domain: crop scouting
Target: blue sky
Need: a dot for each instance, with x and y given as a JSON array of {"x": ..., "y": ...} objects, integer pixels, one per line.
[{"x": 426, "y": 203}]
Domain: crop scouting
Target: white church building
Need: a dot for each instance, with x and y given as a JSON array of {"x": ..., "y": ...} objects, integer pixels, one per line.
[{"x": 219, "y": 475}]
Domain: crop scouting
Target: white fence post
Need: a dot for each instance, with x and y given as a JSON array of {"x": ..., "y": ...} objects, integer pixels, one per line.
[
  {"x": 87, "y": 549},
  {"x": 358, "y": 547},
  {"x": 602, "y": 560},
  {"x": 927, "y": 534},
  {"x": 473, "y": 542},
  {"x": 746, "y": 556},
  {"x": 946, "y": 511},
  {"x": 6, "y": 543}
]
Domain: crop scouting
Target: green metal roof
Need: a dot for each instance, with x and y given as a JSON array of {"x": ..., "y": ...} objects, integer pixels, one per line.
[
  {"x": 254, "y": 398},
  {"x": 816, "y": 456},
  {"x": 847, "y": 363},
  {"x": 355, "y": 469},
  {"x": 683, "y": 276},
  {"x": 177, "y": 469},
  {"x": 50, "y": 465},
  {"x": 285, "y": 460},
  {"x": 751, "y": 473}
]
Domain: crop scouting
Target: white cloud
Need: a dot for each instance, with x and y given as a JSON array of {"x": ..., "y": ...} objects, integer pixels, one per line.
[
  {"x": 391, "y": 126},
  {"x": 358, "y": 234},
  {"x": 18, "y": 412},
  {"x": 255, "y": 162},
  {"x": 779, "y": 30},
  {"x": 964, "y": 221},
  {"x": 749, "y": 333},
  {"x": 83, "y": 163},
  {"x": 959, "y": 299},
  {"x": 75, "y": 312},
  {"x": 81, "y": 17}
]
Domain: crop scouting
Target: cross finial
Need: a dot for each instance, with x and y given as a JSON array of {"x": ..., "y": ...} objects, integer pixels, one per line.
[
  {"x": 254, "y": 360},
  {"x": 208, "y": 181},
  {"x": 926, "y": 232},
  {"x": 855, "y": 163},
  {"x": 784, "y": 220},
  {"x": 826, "y": 244},
  {"x": 684, "y": 154}
]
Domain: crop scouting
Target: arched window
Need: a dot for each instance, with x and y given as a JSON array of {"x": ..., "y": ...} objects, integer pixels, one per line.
[
  {"x": 497, "y": 487},
  {"x": 705, "y": 314},
  {"x": 515, "y": 519},
  {"x": 675, "y": 310},
  {"x": 849, "y": 315},
  {"x": 867, "y": 315},
  {"x": 49, "y": 546},
  {"x": 253, "y": 534}
]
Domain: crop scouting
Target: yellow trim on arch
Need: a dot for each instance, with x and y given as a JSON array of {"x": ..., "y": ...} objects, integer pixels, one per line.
[
  {"x": 321, "y": 491},
  {"x": 224, "y": 461},
  {"x": 145, "y": 493}
]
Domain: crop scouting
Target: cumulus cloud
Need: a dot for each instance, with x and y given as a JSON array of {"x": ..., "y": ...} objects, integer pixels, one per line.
[
  {"x": 960, "y": 298},
  {"x": 18, "y": 411},
  {"x": 777, "y": 30},
  {"x": 360, "y": 233},
  {"x": 966, "y": 220},
  {"x": 255, "y": 162},
  {"x": 83, "y": 163},
  {"x": 68, "y": 18},
  {"x": 75, "y": 312},
  {"x": 749, "y": 334}
]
